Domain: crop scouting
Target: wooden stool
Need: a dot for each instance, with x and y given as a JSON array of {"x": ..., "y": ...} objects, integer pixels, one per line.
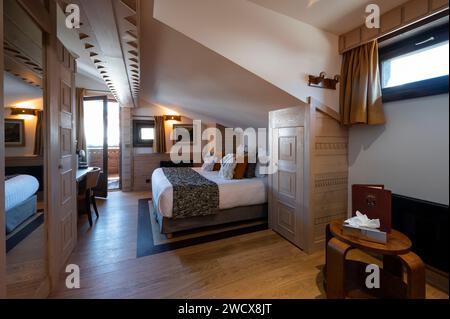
[{"x": 342, "y": 276}]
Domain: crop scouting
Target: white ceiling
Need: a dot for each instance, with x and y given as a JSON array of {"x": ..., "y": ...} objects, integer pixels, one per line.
[
  {"x": 181, "y": 74},
  {"x": 335, "y": 16},
  {"x": 17, "y": 91}
]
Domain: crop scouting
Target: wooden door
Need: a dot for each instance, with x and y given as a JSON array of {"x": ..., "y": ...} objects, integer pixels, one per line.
[
  {"x": 2, "y": 171},
  {"x": 60, "y": 98},
  {"x": 287, "y": 183}
]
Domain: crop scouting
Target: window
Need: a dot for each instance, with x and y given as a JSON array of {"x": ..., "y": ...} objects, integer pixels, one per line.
[
  {"x": 416, "y": 66},
  {"x": 143, "y": 133}
]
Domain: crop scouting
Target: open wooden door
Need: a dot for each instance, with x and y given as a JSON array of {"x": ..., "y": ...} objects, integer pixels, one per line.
[
  {"x": 61, "y": 137},
  {"x": 2, "y": 171}
]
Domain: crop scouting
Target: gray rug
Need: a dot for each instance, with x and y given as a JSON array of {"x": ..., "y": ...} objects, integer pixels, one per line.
[{"x": 150, "y": 241}]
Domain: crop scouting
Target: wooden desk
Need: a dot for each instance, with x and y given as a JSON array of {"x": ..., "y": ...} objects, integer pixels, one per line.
[
  {"x": 342, "y": 276},
  {"x": 81, "y": 173}
]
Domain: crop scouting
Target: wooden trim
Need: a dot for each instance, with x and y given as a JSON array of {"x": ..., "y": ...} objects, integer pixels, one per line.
[
  {"x": 392, "y": 21},
  {"x": 2, "y": 172},
  {"x": 38, "y": 13},
  {"x": 23, "y": 161},
  {"x": 324, "y": 109}
]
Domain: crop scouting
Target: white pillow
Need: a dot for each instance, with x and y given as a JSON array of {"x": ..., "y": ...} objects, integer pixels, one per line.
[
  {"x": 228, "y": 164},
  {"x": 208, "y": 164},
  {"x": 260, "y": 165}
]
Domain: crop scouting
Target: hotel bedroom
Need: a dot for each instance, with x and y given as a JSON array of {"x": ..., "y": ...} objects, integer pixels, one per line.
[{"x": 153, "y": 157}]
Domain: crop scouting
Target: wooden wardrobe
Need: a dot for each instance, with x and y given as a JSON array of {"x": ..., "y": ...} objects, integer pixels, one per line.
[{"x": 309, "y": 149}]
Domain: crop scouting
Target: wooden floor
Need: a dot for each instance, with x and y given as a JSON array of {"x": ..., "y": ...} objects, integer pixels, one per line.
[{"x": 257, "y": 265}]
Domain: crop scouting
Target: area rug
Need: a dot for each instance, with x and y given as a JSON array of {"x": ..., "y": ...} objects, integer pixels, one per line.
[{"x": 150, "y": 241}]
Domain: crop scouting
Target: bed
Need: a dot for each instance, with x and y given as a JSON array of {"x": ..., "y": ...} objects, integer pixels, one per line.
[
  {"x": 238, "y": 200},
  {"x": 20, "y": 200}
]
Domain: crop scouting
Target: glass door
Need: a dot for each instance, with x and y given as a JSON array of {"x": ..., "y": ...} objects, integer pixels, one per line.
[{"x": 96, "y": 131}]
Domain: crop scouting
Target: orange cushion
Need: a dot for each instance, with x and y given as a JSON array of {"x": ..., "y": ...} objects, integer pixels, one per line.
[
  {"x": 240, "y": 169},
  {"x": 217, "y": 167}
]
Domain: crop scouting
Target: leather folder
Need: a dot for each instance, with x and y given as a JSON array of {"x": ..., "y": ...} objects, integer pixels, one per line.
[{"x": 375, "y": 202}]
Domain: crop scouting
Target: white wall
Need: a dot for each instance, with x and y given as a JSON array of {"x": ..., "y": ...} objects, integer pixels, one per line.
[
  {"x": 275, "y": 47},
  {"x": 410, "y": 154}
]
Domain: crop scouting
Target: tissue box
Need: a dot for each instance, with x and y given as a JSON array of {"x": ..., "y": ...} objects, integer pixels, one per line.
[{"x": 368, "y": 234}]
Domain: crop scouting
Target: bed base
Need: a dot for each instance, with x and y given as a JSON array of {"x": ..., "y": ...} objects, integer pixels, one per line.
[{"x": 169, "y": 226}]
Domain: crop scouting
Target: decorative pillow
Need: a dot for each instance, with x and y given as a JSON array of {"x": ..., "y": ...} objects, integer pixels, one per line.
[
  {"x": 228, "y": 164},
  {"x": 250, "y": 171},
  {"x": 260, "y": 165},
  {"x": 240, "y": 169},
  {"x": 216, "y": 167},
  {"x": 209, "y": 163}
]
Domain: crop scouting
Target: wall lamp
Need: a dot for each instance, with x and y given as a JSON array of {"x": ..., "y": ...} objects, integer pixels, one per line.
[
  {"x": 23, "y": 111},
  {"x": 172, "y": 118}
]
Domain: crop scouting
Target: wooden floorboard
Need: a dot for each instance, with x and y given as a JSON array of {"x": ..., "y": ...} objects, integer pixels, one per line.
[{"x": 256, "y": 265}]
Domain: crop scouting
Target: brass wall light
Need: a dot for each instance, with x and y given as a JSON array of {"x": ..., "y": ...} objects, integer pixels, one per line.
[
  {"x": 176, "y": 118},
  {"x": 23, "y": 111}
]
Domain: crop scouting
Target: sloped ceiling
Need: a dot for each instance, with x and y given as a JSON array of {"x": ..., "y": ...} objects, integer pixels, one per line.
[
  {"x": 334, "y": 16},
  {"x": 181, "y": 74}
]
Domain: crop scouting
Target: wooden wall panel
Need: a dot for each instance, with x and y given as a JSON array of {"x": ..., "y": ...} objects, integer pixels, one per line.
[
  {"x": 143, "y": 167},
  {"x": 414, "y": 10},
  {"x": 126, "y": 151},
  {"x": 315, "y": 183},
  {"x": 393, "y": 20}
]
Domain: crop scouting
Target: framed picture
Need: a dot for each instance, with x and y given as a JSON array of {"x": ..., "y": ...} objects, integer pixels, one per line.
[
  {"x": 177, "y": 135},
  {"x": 14, "y": 133}
]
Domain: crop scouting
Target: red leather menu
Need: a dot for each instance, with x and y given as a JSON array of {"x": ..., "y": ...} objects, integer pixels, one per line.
[{"x": 374, "y": 201}]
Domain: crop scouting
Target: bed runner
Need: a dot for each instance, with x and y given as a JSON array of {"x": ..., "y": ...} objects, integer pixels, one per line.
[{"x": 193, "y": 194}]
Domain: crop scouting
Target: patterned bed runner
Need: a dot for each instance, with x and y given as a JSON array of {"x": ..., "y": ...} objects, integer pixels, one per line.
[{"x": 193, "y": 194}]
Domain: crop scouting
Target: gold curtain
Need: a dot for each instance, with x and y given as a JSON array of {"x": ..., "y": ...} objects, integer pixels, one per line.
[
  {"x": 81, "y": 137},
  {"x": 159, "y": 144},
  {"x": 360, "y": 89},
  {"x": 38, "y": 136}
]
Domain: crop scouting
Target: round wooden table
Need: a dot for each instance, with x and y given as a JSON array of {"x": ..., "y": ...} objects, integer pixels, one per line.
[{"x": 342, "y": 275}]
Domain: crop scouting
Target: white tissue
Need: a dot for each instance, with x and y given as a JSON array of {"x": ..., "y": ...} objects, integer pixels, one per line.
[{"x": 361, "y": 220}]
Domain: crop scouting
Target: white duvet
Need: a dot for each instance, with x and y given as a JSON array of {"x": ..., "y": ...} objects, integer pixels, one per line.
[
  {"x": 232, "y": 193},
  {"x": 18, "y": 189}
]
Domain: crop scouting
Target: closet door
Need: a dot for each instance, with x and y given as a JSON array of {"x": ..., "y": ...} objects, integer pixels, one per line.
[{"x": 287, "y": 183}]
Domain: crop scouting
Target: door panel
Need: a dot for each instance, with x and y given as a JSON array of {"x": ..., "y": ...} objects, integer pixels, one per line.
[
  {"x": 60, "y": 101},
  {"x": 68, "y": 210},
  {"x": 287, "y": 187}
]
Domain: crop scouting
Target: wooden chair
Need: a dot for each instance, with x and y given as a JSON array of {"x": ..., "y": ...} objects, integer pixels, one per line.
[{"x": 86, "y": 194}]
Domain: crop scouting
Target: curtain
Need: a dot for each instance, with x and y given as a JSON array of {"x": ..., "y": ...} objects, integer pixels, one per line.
[
  {"x": 39, "y": 135},
  {"x": 159, "y": 144},
  {"x": 81, "y": 137},
  {"x": 360, "y": 89}
]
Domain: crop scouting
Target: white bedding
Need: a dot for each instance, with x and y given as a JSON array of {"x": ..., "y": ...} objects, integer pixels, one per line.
[
  {"x": 232, "y": 193},
  {"x": 18, "y": 189}
]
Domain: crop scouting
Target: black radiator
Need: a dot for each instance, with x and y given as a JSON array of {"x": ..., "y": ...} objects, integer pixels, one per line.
[{"x": 426, "y": 224}]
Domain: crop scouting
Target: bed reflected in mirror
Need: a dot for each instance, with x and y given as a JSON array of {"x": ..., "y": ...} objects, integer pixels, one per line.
[{"x": 24, "y": 155}]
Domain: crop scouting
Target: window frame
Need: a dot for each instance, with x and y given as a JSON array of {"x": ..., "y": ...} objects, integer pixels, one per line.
[
  {"x": 428, "y": 87},
  {"x": 137, "y": 126}
]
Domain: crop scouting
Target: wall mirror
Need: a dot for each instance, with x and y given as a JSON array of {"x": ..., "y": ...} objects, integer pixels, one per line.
[{"x": 25, "y": 185}]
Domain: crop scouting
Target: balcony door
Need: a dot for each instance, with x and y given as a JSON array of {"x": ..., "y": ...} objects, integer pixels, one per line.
[{"x": 96, "y": 130}]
